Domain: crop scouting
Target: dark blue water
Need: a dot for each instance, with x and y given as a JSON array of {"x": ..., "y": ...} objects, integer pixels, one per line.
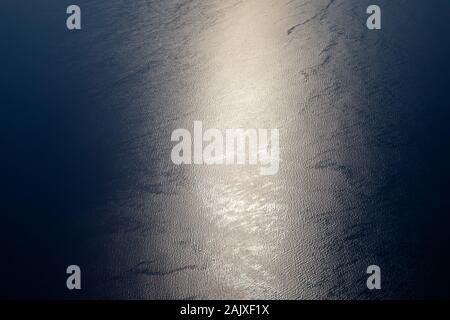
[{"x": 86, "y": 119}]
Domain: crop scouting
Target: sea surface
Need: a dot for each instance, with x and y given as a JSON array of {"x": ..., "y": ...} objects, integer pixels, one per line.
[{"x": 85, "y": 136}]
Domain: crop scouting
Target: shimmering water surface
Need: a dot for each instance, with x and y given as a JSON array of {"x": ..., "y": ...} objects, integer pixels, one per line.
[{"x": 87, "y": 118}]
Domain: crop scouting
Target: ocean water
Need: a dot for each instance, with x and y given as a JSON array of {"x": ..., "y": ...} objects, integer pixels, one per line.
[{"x": 87, "y": 178}]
